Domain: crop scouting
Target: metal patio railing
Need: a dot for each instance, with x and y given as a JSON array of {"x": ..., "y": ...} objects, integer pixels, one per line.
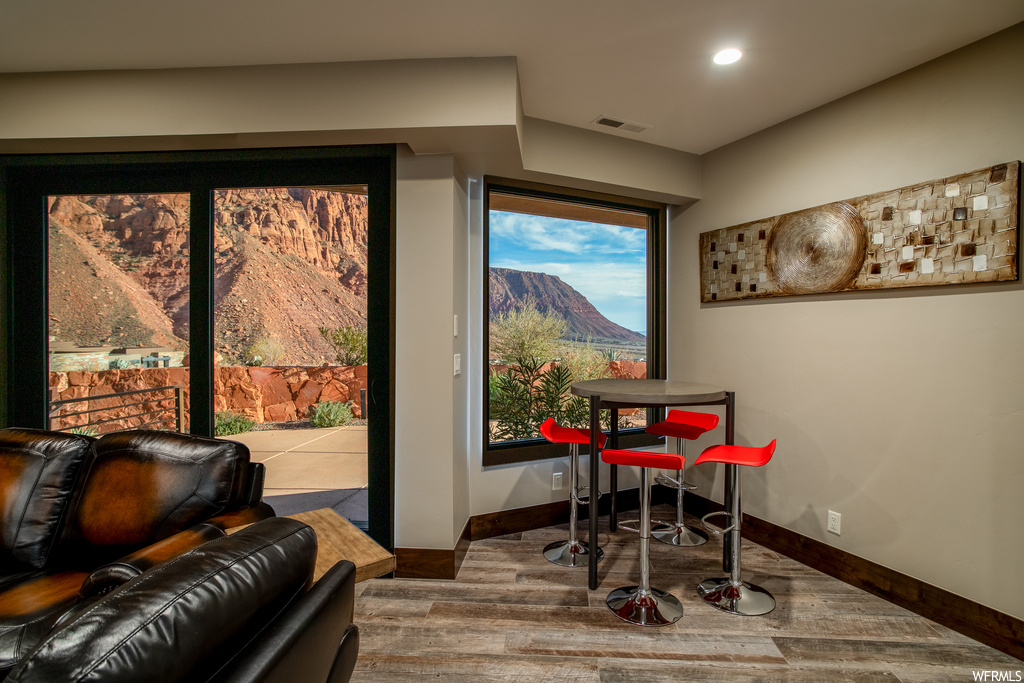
[{"x": 175, "y": 415}]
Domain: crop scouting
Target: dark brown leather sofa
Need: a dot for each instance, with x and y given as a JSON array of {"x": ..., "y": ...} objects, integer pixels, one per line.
[
  {"x": 80, "y": 516},
  {"x": 236, "y": 609}
]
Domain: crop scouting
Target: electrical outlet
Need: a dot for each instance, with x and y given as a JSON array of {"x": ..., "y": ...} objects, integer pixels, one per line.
[
  {"x": 556, "y": 481},
  {"x": 834, "y": 518}
]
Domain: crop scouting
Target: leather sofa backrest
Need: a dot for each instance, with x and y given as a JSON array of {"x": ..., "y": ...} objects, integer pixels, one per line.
[
  {"x": 138, "y": 487},
  {"x": 181, "y": 620},
  {"x": 38, "y": 471}
]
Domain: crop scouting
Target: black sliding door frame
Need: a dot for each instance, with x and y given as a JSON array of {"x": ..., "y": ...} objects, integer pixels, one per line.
[{"x": 27, "y": 180}]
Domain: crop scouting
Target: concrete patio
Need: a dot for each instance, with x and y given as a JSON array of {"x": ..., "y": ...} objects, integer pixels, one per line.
[{"x": 309, "y": 469}]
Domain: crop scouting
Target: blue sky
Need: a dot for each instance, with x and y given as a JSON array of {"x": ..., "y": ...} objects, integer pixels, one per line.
[{"x": 605, "y": 263}]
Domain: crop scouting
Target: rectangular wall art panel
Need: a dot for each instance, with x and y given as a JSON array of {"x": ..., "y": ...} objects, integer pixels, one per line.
[{"x": 947, "y": 231}]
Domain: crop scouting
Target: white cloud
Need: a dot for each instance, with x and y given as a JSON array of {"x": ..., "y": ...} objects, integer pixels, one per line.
[{"x": 573, "y": 237}]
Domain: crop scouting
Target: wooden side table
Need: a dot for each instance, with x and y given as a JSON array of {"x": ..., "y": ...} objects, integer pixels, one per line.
[{"x": 338, "y": 539}]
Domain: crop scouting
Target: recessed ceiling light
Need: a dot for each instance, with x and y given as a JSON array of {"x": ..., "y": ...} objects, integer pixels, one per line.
[{"x": 728, "y": 56}]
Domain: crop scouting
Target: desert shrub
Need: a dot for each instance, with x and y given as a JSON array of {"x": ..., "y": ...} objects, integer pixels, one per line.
[
  {"x": 119, "y": 364},
  {"x": 226, "y": 423},
  {"x": 584, "y": 361},
  {"x": 330, "y": 414},
  {"x": 265, "y": 351},
  {"x": 526, "y": 333},
  {"x": 349, "y": 344}
]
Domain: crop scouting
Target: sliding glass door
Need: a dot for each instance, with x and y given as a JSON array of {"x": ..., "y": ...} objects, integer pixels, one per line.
[{"x": 174, "y": 291}]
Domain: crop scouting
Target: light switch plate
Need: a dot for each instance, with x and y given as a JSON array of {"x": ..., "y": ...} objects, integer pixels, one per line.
[{"x": 458, "y": 364}]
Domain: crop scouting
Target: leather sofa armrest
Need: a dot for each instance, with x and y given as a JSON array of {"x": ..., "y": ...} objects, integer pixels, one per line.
[
  {"x": 314, "y": 640},
  {"x": 255, "y": 476},
  {"x": 345, "y": 661},
  {"x": 242, "y": 516},
  {"x": 110, "y": 576}
]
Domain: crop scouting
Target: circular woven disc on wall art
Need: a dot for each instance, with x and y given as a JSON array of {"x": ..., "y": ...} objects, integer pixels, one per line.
[{"x": 816, "y": 250}]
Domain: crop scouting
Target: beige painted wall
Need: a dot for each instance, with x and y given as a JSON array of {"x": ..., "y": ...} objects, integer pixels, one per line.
[{"x": 903, "y": 410}]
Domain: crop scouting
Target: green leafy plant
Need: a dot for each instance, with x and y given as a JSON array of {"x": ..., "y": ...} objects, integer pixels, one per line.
[
  {"x": 541, "y": 369},
  {"x": 226, "y": 423},
  {"x": 330, "y": 414},
  {"x": 83, "y": 431},
  {"x": 265, "y": 351},
  {"x": 349, "y": 344}
]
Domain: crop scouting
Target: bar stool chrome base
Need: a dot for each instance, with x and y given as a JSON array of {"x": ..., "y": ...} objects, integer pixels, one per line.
[
  {"x": 571, "y": 554},
  {"x": 744, "y": 599},
  {"x": 652, "y": 607},
  {"x": 678, "y": 534}
]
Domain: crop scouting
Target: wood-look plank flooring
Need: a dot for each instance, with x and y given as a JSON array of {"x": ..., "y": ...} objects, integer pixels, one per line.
[{"x": 513, "y": 616}]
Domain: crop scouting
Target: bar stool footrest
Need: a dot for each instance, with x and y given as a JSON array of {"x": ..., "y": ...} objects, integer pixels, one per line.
[
  {"x": 581, "y": 499},
  {"x": 711, "y": 529},
  {"x": 630, "y": 525},
  {"x": 671, "y": 483}
]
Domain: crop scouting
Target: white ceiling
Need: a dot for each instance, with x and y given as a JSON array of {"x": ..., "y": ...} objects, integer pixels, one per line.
[{"x": 645, "y": 61}]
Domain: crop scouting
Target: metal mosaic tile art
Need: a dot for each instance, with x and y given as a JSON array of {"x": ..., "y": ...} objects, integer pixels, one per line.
[{"x": 954, "y": 230}]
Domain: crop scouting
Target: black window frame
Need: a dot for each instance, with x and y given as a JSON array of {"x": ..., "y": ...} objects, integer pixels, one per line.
[
  {"x": 26, "y": 181},
  {"x": 530, "y": 450}
]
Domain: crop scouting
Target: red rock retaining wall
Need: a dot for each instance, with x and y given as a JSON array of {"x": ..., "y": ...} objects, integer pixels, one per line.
[
  {"x": 262, "y": 394},
  {"x": 628, "y": 369}
]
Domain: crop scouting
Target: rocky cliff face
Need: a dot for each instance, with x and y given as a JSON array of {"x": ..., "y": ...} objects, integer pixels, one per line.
[
  {"x": 287, "y": 260},
  {"x": 510, "y": 288}
]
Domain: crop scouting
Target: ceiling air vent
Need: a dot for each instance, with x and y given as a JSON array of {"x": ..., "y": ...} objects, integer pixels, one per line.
[{"x": 620, "y": 124}]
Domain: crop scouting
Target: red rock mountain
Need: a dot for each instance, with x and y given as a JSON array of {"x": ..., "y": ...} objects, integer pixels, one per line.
[
  {"x": 510, "y": 288},
  {"x": 286, "y": 261}
]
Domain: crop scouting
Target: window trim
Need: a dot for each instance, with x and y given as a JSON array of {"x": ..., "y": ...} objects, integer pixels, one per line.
[{"x": 522, "y": 451}]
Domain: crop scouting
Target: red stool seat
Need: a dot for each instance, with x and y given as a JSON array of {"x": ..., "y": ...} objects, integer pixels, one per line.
[
  {"x": 668, "y": 461},
  {"x": 749, "y": 456},
  {"x": 572, "y": 552},
  {"x": 556, "y": 433},
  {"x": 683, "y": 426}
]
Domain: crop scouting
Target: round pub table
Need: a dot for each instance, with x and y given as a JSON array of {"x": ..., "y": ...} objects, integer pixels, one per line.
[{"x": 646, "y": 393}]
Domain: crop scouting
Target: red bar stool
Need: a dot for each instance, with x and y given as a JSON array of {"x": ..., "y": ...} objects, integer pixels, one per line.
[
  {"x": 731, "y": 594},
  {"x": 683, "y": 426},
  {"x": 573, "y": 552},
  {"x": 641, "y": 604}
]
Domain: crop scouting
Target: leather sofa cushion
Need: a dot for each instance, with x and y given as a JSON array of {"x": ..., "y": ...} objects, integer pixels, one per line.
[
  {"x": 181, "y": 620},
  {"x": 38, "y": 470},
  {"x": 139, "y": 487}
]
